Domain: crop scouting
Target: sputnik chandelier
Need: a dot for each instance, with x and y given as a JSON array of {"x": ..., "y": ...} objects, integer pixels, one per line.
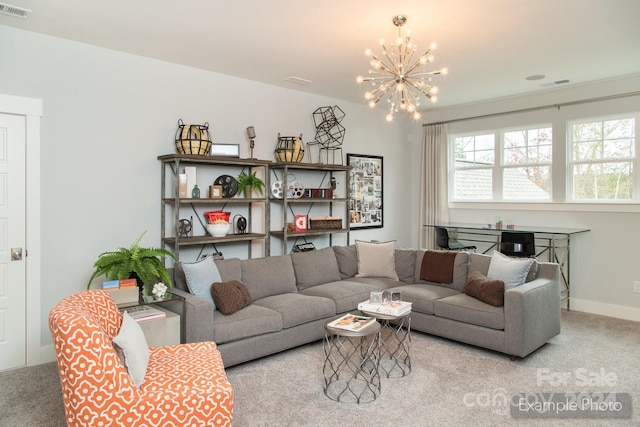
[{"x": 399, "y": 77}]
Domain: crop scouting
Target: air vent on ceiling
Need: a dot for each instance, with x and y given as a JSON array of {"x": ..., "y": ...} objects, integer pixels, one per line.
[
  {"x": 16, "y": 11},
  {"x": 297, "y": 80}
]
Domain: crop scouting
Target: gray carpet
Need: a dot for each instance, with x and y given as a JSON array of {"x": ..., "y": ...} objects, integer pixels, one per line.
[{"x": 451, "y": 384}]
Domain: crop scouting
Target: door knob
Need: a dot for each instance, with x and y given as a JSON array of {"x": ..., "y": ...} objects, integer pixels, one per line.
[{"x": 16, "y": 254}]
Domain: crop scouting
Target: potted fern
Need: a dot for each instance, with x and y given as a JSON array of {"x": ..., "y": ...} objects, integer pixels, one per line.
[
  {"x": 143, "y": 264},
  {"x": 247, "y": 182}
]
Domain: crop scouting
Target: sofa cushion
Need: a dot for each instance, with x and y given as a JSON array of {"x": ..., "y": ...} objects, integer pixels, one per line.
[
  {"x": 376, "y": 259},
  {"x": 422, "y": 296},
  {"x": 200, "y": 275},
  {"x": 346, "y": 294},
  {"x": 463, "y": 308},
  {"x": 131, "y": 345},
  {"x": 315, "y": 267},
  {"x": 248, "y": 322},
  {"x": 480, "y": 262},
  {"x": 405, "y": 264},
  {"x": 485, "y": 289},
  {"x": 512, "y": 271},
  {"x": 264, "y": 277},
  {"x": 230, "y": 296},
  {"x": 460, "y": 267},
  {"x": 230, "y": 269},
  {"x": 347, "y": 259},
  {"x": 296, "y": 309}
]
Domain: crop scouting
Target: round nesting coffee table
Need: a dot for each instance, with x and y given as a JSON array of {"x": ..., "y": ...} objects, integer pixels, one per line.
[
  {"x": 395, "y": 344},
  {"x": 351, "y": 364}
]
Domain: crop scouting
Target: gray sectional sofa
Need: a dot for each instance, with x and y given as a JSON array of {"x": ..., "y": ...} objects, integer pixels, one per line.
[{"x": 294, "y": 295}]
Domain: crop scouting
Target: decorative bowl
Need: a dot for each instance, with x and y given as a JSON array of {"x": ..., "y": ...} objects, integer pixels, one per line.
[{"x": 218, "y": 230}]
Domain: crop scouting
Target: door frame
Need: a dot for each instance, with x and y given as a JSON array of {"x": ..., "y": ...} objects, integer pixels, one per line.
[{"x": 31, "y": 109}]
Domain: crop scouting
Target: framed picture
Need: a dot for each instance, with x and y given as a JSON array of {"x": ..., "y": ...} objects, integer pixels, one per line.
[
  {"x": 225, "y": 150},
  {"x": 215, "y": 191},
  {"x": 365, "y": 191}
]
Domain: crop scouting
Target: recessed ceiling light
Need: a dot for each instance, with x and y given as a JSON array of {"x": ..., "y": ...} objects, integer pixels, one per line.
[
  {"x": 297, "y": 80},
  {"x": 536, "y": 77},
  {"x": 16, "y": 11}
]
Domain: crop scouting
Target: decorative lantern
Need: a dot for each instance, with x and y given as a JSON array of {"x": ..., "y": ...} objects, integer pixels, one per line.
[
  {"x": 289, "y": 149},
  {"x": 193, "y": 139}
]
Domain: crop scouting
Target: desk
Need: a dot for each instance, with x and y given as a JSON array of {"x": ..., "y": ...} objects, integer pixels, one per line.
[{"x": 555, "y": 241}]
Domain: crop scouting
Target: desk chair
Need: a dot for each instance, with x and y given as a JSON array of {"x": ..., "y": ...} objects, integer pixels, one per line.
[
  {"x": 444, "y": 242},
  {"x": 518, "y": 244}
]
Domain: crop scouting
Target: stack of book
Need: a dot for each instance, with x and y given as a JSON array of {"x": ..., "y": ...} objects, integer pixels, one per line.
[
  {"x": 123, "y": 291},
  {"x": 142, "y": 313},
  {"x": 352, "y": 322},
  {"x": 394, "y": 308}
]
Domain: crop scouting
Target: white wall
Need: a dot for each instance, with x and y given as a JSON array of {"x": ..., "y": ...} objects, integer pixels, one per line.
[
  {"x": 603, "y": 261},
  {"x": 108, "y": 115}
]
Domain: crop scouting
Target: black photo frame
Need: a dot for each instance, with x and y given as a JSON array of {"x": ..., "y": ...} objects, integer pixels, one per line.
[{"x": 365, "y": 191}]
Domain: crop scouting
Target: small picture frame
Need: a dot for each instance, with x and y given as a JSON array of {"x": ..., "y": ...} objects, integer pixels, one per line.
[{"x": 215, "y": 191}]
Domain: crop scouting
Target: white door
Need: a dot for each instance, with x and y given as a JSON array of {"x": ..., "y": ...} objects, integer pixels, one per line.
[{"x": 12, "y": 242}]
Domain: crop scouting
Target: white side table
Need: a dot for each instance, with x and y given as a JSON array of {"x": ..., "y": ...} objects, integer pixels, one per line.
[
  {"x": 395, "y": 344},
  {"x": 164, "y": 331}
]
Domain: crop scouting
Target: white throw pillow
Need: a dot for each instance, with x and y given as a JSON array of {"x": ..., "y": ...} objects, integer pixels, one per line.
[
  {"x": 200, "y": 276},
  {"x": 134, "y": 348},
  {"x": 376, "y": 259},
  {"x": 512, "y": 271}
]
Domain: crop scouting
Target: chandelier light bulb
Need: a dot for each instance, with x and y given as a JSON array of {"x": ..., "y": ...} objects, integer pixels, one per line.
[
  {"x": 397, "y": 75},
  {"x": 444, "y": 71},
  {"x": 433, "y": 46}
]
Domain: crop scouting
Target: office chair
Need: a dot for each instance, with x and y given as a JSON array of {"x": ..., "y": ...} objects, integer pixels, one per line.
[
  {"x": 443, "y": 241},
  {"x": 518, "y": 244}
]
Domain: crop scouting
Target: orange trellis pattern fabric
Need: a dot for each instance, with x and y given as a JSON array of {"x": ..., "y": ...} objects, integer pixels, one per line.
[{"x": 185, "y": 384}]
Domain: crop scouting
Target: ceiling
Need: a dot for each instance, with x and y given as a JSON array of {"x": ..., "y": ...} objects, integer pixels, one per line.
[{"x": 489, "y": 46}]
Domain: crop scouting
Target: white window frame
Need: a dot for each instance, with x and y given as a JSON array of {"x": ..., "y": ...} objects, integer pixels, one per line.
[
  {"x": 635, "y": 160},
  {"x": 498, "y": 166}
]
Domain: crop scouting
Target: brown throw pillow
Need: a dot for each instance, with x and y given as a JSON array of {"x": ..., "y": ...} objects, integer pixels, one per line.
[
  {"x": 230, "y": 296},
  {"x": 437, "y": 266},
  {"x": 490, "y": 291}
]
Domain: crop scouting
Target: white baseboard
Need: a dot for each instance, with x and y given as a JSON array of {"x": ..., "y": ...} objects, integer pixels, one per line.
[{"x": 603, "y": 309}]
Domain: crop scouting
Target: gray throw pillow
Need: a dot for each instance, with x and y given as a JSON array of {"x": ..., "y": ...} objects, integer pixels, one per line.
[
  {"x": 200, "y": 276},
  {"x": 131, "y": 345}
]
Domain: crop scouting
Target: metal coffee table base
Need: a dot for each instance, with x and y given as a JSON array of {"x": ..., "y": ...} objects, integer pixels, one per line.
[{"x": 351, "y": 365}]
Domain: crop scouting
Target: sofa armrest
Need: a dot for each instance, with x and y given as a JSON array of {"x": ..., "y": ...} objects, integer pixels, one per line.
[
  {"x": 198, "y": 316},
  {"x": 532, "y": 311}
]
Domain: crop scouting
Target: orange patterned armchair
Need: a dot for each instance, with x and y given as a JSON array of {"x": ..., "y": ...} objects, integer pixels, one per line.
[{"x": 184, "y": 385}]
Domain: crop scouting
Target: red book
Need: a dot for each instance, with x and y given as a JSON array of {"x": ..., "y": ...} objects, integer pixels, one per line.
[{"x": 128, "y": 283}]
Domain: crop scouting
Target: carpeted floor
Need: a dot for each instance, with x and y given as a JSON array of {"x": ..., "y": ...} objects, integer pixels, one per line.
[{"x": 451, "y": 384}]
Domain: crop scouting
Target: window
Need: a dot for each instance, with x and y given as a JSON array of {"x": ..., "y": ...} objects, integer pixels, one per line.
[
  {"x": 518, "y": 169},
  {"x": 602, "y": 159},
  {"x": 474, "y": 160}
]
